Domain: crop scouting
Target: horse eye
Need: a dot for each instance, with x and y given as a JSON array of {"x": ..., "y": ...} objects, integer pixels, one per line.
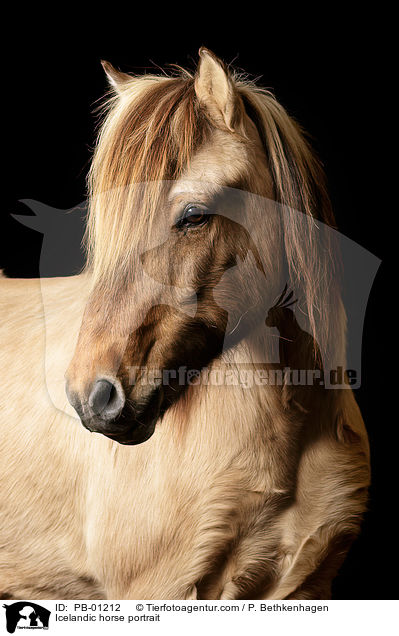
[{"x": 194, "y": 216}]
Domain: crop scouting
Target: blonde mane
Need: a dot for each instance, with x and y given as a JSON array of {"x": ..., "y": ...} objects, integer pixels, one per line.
[{"x": 149, "y": 135}]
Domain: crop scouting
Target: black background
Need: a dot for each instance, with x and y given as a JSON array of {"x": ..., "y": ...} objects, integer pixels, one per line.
[{"x": 329, "y": 77}]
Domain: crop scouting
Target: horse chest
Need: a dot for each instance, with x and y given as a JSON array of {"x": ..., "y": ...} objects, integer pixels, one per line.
[{"x": 160, "y": 543}]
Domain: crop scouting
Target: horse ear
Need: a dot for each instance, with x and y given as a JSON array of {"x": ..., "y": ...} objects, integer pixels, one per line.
[
  {"x": 117, "y": 80},
  {"x": 215, "y": 90}
]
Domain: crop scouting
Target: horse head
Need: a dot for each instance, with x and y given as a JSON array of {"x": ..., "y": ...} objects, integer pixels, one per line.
[{"x": 179, "y": 170}]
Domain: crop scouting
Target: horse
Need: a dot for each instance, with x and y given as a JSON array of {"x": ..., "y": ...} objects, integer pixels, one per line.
[{"x": 180, "y": 489}]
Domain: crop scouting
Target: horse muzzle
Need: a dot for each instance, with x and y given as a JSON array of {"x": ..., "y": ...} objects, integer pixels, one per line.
[{"x": 106, "y": 410}]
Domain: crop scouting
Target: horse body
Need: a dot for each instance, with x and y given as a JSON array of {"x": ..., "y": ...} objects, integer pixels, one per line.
[{"x": 232, "y": 494}]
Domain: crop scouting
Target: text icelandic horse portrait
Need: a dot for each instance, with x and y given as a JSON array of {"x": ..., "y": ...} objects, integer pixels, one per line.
[{"x": 209, "y": 249}]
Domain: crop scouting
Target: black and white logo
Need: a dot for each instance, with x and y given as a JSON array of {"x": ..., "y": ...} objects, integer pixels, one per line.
[{"x": 26, "y": 615}]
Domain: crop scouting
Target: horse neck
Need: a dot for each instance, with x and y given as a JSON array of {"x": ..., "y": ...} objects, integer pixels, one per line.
[
  {"x": 231, "y": 429},
  {"x": 233, "y": 401}
]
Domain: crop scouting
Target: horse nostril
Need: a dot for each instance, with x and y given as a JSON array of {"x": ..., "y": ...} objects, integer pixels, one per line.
[{"x": 106, "y": 399}]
